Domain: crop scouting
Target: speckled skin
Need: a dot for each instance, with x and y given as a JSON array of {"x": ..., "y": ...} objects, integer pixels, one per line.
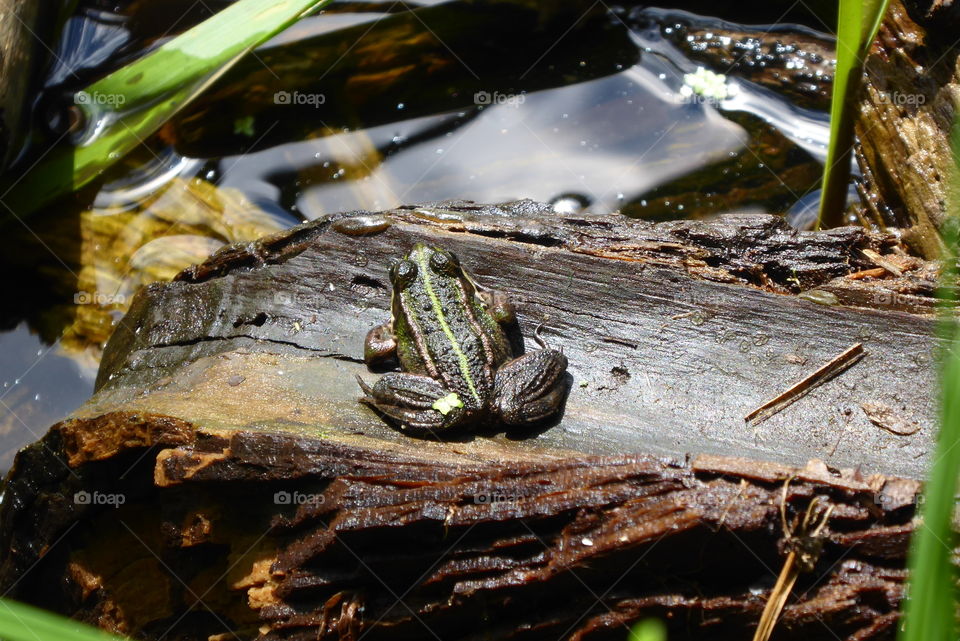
[{"x": 448, "y": 338}]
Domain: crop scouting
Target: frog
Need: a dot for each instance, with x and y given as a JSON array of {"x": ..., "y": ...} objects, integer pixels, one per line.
[{"x": 458, "y": 368}]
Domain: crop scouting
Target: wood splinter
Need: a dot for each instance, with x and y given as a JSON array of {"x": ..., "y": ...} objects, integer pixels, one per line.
[
  {"x": 801, "y": 388},
  {"x": 880, "y": 261}
]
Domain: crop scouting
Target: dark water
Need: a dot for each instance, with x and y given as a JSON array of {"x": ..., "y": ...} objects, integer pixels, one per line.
[{"x": 370, "y": 106}]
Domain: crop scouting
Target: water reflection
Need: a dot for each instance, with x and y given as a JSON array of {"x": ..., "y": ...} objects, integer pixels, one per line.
[
  {"x": 609, "y": 140},
  {"x": 39, "y": 385}
]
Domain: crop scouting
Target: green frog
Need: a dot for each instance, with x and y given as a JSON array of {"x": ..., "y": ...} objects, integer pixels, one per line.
[{"x": 458, "y": 368}]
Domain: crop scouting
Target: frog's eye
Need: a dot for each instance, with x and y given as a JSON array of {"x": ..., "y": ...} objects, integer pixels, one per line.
[
  {"x": 403, "y": 272},
  {"x": 443, "y": 262}
]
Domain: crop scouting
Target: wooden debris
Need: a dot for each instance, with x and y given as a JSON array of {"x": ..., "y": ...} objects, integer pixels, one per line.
[
  {"x": 888, "y": 265},
  {"x": 802, "y": 387},
  {"x": 334, "y": 537},
  {"x": 227, "y": 420},
  {"x": 884, "y": 417},
  {"x": 805, "y": 544},
  {"x": 876, "y": 272},
  {"x": 604, "y": 287}
]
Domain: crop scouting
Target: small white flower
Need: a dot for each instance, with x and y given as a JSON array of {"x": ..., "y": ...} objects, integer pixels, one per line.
[{"x": 708, "y": 84}]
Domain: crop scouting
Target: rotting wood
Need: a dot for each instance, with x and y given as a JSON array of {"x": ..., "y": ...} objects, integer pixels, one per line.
[
  {"x": 674, "y": 331},
  {"x": 251, "y": 478},
  {"x": 416, "y": 540}
]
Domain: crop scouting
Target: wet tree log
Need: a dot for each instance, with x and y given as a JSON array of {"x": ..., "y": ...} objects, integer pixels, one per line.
[
  {"x": 906, "y": 114},
  {"x": 225, "y": 479}
]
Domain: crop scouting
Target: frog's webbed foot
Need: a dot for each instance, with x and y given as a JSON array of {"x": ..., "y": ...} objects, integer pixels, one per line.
[
  {"x": 417, "y": 402},
  {"x": 531, "y": 387}
]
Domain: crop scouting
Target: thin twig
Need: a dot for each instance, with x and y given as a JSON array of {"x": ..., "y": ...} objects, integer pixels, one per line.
[
  {"x": 801, "y": 388},
  {"x": 778, "y": 598}
]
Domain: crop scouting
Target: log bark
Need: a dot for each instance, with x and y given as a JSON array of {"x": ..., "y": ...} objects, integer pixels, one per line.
[
  {"x": 675, "y": 331},
  {"x": 906, "y": 114},
  {"x": 225, "y": 479}
]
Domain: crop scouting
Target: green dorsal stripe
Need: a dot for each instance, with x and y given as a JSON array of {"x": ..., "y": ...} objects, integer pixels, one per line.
[{"x": 438, "y": 311}]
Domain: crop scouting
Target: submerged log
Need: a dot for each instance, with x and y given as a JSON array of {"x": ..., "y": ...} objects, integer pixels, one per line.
[{"x": 224, "y": 478}]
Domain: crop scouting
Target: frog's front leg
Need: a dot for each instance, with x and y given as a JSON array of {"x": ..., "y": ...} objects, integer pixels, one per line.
[
  {"x": 531, "y": 387},
  {"x": 380, "y": 345},
  {"x": 499, "y": 305},
  {"x": 416, "y": 401}
]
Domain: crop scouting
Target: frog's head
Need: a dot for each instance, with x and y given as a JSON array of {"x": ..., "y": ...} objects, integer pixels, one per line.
[{"x": 422, "y": 261}]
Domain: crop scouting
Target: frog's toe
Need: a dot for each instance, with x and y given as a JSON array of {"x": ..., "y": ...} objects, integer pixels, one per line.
[
  {"x": 536, "y": 410},
  {"x": 411, "y": 391},
  {"x": 416, "y": 419},
  {"x": 425, "y": 423},
  {"x": 366, "y": 388},
  {"x": 531, "y": 388},
  {"x": 419, "y": 403}
]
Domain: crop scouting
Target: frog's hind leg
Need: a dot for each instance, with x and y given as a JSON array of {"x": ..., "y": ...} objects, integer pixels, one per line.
[
  {"x": 409, "y": 399},
  {"x": 531, "y": 388}
]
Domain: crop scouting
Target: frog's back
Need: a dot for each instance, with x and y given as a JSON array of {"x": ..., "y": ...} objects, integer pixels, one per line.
[{"x": 445, "y": 332}]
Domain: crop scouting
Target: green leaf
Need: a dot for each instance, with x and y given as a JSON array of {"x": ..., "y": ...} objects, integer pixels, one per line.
[
  {"x": 930, "y": 612},
  {"x": 130, "y": 104},
  {"x": 858, "y": 23},
  {"x": 649, "y": 630},
  {"x": 19, "y": 622}
]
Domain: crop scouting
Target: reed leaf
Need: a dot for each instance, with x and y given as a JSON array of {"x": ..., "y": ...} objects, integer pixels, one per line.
[
  {"x": 930, "y": 611},
  {"x": 19, "y": 622},
  {"x": 124, "y": 108},
  {"x": 857, "y": 24}
]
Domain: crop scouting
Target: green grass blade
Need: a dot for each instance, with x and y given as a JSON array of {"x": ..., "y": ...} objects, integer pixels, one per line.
[
  {"x": 857, "y": 25},
  {"x": 19, "y": 622},
  {"x": 648, "y": 630},
  {"x": 930, "y": 612},
  {"x": 133, "y": 102}
]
